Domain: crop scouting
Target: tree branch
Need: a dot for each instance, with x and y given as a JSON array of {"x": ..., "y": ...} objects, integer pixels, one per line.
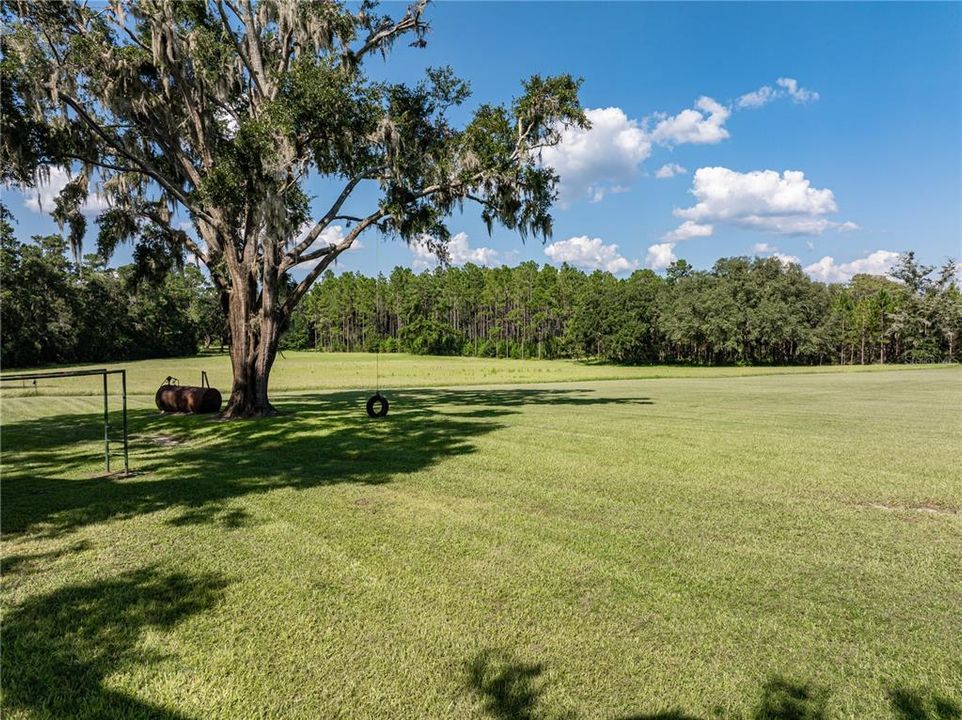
[
  {"x": 181, "y": 236},
  {"x": 291, "y": 258},
  {"x": 253, "y": 36},
  {"x": 386, "y": 34},
  {"x": 328, "y": 257},
  {"x": 237, "y": 44},
  {"x": 142, "y": 165}
]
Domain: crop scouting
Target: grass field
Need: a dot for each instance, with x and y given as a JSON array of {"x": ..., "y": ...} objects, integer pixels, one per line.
[{"x": 700, "y": 544}]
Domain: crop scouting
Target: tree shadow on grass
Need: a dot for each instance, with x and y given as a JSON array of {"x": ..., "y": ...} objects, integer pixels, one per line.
[
  {"x": 511, "y": 689},
  {"x": 319, "y": 439},
  {"x": 27, "y": 563},
  {"x": 780, "y": 699},
  {"x": 915, "y": 704},
  {"x": 58, "y": 649}
]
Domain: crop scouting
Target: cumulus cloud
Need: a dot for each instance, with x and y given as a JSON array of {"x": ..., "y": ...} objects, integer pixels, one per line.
[
  {"x": 669, "y": 170},
  {"x": 787, "y": 259},
  {"x": 602, "y": 159},
  {"x": 763, "y": 200},
  {"x": 660, "y": 255},
  {"x": 589, "y": 254},
  {"x": 877, "y": 263},
  {"x": 787, "y": 87},
  {"x": 334, "y": 235},
  {"x": 688, "y": 229},
  {"x": 460, "y": 252},
  {"x": 41, "y": 198},
  {"x": 795, "y": 92},
  {"x": 702, "y": 124},
  {"x": 606, "y": 157},
  {"x": 772, "y": 251},
  {"x": 757, "y": 98}
]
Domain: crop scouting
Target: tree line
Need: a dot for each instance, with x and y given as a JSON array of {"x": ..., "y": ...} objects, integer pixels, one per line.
[
  {"x": 55, "y": 310},
  {"x": 742, "y": 310}
]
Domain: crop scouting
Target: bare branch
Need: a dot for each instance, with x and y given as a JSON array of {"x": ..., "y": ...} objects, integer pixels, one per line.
[
  {"x": 385, "y": 35},
  {"x": 328, "y": 257},
  {"x": 291, "y": 258},
  {"x": 311, "y": 256},
  {"x": 253, "y": 36}
]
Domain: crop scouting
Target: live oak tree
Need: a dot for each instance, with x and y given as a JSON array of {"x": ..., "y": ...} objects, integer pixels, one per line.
[{"x": 223, "y": 109}]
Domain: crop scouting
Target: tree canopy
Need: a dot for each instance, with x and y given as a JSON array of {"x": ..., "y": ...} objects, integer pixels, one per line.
[{"x": 223, "y": 109}]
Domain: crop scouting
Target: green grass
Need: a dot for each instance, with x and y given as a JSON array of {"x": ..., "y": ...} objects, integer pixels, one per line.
[
  {"x": 338, "y": 371},
  {"x": 706, "y": 545}
]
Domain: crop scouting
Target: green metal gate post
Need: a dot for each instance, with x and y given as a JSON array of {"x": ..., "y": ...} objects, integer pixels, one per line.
[
  {"x": 123, "y": 386},
  {"x": 106, "y": 427}
]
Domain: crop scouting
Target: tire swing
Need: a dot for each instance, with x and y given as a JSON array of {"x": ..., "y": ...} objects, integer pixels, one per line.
[
  {"x": 378, "y": 400},
  {"x": 377, "y": 404}
]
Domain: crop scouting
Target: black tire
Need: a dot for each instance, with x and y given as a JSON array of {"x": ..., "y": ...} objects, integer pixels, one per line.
[{"x": 382, "y": 403}]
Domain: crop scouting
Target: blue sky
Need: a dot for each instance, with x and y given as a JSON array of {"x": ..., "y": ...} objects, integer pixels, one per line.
[{"x": 828, "y": 133}]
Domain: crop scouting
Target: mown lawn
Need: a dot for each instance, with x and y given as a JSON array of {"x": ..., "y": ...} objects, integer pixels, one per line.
[
  {"x": 701, "y": 546},
  {"x": 301, "y": 370}
]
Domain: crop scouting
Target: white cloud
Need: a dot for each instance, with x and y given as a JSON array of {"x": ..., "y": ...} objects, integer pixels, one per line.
[
  {"x": 796, "y": 93},
  {"x": 877, "y": 263},
  {"x": 606, "y": 157},
  {"x": 787, "y": 87},
  {"x": 600, "y": 160},
  {"x": 757, "y": 98},
  {"x": 589, "y": 254},
  {"x": 688, "y": 229},
  {"x": 703, "y": 124},
  {"x": 331, "y": 235},
  {"x": 669, "y": 170},
  {"x": 334, "y": 235},
  {"x": 787, "y": 259},
  {"x": 460, "y": 252},
  {"x": 761, "y": 200},
  {"x": 660, "y": 255},
  {"x": 41, "y": 198},
  {"x": 228, "y": 123},
  {"x": 773, "y": 251}
]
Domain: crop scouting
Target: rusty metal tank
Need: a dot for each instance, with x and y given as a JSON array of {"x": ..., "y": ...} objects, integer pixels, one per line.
[{"x": 172, "y": 397}]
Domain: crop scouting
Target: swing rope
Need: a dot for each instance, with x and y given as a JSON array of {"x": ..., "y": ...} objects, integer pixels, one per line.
[{"x": 377, "y": 399}]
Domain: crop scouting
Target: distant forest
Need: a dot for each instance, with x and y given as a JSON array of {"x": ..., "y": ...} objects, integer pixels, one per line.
[{"x": 742, "y": 310}]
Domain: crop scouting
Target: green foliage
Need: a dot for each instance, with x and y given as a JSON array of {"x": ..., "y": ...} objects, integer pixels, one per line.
[
  {"x": 743, "y": 311},
  {"x": 224, "y": 110},
  {"x": 57, "y": 311},
  {"x": 426, "y": 336}
]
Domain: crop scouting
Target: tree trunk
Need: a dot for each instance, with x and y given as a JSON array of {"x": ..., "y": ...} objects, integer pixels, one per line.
[{"x": 254, "y": 335}]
